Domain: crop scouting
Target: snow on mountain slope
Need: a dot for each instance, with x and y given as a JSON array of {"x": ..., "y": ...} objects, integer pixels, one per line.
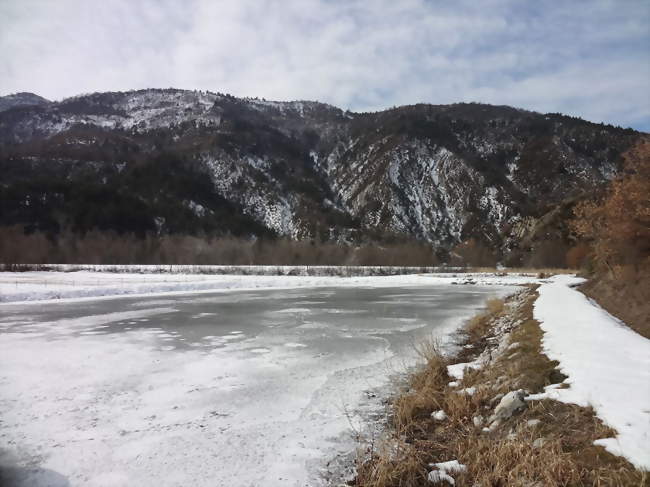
[
  {"x": 309, "y": 170},
  {"x": 140, "y": 110},
  {"x": 241, "y": 181},
  {"x": 21, "y": 100}
]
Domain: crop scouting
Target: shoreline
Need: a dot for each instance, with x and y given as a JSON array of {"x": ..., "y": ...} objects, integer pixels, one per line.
[
  {"x": 480, "y": 415},
  {"x": 64, "y": 287}
]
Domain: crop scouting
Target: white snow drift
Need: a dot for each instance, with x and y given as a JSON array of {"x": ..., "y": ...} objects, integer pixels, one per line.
[{"x": 607, "y": 364}]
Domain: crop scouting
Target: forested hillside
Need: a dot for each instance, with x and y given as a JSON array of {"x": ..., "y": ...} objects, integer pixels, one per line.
[{"x": 144, "y": 169}]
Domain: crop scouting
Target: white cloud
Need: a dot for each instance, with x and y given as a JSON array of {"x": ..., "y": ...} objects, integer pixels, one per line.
[{"x": 584, "y": 58}]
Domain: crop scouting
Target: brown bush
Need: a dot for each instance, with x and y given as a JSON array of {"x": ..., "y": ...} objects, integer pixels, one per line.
[
  {"x": 576, "y": 257},
  {"x": 18, "y": 247},
  {"x": 547, "y": 253},
  {"x": 618, "y": 226}
]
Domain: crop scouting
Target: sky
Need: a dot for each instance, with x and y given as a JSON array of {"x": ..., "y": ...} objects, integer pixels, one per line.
[{"x": 583, "y": 58}]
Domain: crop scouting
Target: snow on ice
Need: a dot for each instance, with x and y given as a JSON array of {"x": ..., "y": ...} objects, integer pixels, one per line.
[
  {"x": 91, "y": 391},
  {"x": 93, "y": 283}
]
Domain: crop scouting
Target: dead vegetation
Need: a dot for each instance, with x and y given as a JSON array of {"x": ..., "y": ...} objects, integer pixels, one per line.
[
  {"x": 616, "y": 228},
  {"x": 548, "y": 444},
  {"x": 19, "y": 246}
]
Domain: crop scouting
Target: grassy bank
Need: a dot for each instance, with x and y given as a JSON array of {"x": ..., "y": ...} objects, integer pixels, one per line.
[
  {"x": 625, "y": 294},
  {"x": 456, "y": 413}
]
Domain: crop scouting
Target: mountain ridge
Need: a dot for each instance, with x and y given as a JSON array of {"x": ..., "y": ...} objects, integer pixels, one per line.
[
  {"x": 23, "y": 98},
  {"x": 443, "y": 174},
  {"x": 38, "y": 100}
]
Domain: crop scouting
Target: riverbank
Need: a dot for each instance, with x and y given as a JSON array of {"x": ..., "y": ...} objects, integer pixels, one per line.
[{"x": 499, "y": 411}]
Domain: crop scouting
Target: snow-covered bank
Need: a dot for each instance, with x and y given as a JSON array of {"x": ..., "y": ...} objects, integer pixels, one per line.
[
  {"x": 246, "y": 270},
  {"x": 607, "y": 364},
  {"x": 39, "y": 286}
]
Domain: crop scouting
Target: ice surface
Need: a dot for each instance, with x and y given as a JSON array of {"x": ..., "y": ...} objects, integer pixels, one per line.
[{"x": 141, "y": 406}]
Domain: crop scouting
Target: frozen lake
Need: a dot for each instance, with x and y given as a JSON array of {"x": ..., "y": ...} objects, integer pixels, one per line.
[{"x": 240, "y": 388}]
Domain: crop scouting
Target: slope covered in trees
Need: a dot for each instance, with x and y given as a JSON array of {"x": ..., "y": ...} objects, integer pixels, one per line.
[{"x": 486, "y": 183}]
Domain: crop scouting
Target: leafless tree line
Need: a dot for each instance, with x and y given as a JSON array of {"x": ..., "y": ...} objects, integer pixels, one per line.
[
  {"x": 109, "y": 248},
  {"x": 18, "y": 247}
]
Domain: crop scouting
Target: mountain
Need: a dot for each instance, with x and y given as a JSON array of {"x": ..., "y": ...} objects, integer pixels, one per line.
[
  {"x": 162, "y": 161},
  {"x": 20, "y": 100}
]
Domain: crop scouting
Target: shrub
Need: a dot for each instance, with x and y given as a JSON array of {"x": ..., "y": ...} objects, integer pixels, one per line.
[
  {"x": 576, "y": 256},
  {"x": 618, "y": 226}
]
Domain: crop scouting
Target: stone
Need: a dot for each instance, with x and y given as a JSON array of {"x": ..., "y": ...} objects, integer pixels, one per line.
[
  {"x": 493, "y": 426},
  {"x": 439, "y": 477},
  {"x": 439, "y": 415},
  {"x": 510, "y": 404},
  {"x": 452, "y": 466}
]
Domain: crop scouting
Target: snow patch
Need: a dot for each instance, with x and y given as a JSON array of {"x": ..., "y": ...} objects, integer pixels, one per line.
[{"x": 607, "y": 364}]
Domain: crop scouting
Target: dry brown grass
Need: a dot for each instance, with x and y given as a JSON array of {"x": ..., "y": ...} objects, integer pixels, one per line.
[
  {"x": 477, "y": 327},
  {"x": 506, "y": 456},
  {"x": 426, "y": 387},
  {"x": 625, "y": 293},
  {"x": 400, "y": 464}
]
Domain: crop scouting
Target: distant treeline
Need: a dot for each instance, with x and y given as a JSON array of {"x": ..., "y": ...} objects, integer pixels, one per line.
[
  {"x": 18, "y": 246},
  {"x": 110, "y": 248}
]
